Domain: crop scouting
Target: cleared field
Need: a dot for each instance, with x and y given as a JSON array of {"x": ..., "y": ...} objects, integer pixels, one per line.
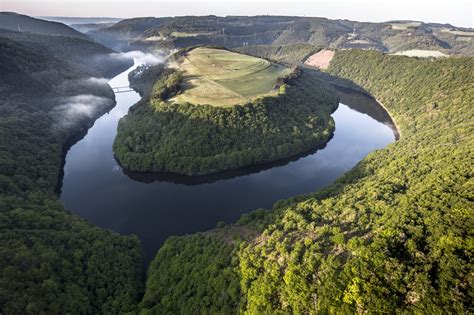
[
  {"x": 421, "y": 53},
  {"x": 320, "y": 59},
  {"x": 222, "y": 78}
]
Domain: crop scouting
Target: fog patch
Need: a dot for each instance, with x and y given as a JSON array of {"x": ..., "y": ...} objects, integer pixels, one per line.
[
  {"x": 95, "y": 80},
  {"x": 140, "y": 57},
  {"x": 79, "y": 109}
]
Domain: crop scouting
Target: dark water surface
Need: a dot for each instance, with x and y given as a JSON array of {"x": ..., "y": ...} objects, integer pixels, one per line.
[{"x": 156, "y": 206}]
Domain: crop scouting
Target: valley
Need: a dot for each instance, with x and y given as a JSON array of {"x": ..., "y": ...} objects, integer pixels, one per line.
[
  {"x": 114, "y": 194},
  {"x": 253, "y": 170}
]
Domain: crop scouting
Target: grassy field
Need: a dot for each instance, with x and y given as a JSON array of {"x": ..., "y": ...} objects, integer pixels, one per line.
[{"x": 222, "y": 78}]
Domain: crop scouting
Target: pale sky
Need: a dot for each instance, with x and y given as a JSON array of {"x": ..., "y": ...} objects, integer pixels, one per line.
[{"x": 456, "y": 12}]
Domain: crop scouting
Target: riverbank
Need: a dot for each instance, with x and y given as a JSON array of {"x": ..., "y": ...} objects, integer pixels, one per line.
[
  {"x": 113, "y": 193},
  {"x": 390, "y": 215}
]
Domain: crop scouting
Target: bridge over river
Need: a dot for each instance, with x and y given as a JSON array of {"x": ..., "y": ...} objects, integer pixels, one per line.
[{"x": 122, "y": 89}]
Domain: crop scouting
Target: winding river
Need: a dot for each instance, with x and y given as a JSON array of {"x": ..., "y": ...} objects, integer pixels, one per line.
[{"x": 156, "y": 206}]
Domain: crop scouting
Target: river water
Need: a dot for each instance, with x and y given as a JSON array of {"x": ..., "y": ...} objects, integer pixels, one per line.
[{"x": 156, "y": 206}]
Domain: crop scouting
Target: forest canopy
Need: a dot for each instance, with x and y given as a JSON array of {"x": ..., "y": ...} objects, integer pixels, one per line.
[
  {"x": 52, "y": 262},
  {"x": 391, "y": 235}
]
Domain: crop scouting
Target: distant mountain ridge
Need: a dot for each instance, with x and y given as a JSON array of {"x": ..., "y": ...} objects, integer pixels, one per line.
[
  {"x": 80, "y": 20},
  {"x": 237, "y": 31},
  {"x": 57, "y": 40},
  {"x": 23, "y": 23},
  {"x": 89, "y": 57}
]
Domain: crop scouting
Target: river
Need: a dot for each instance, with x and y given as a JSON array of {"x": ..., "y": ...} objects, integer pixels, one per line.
[{"x": 156, "y": 206}]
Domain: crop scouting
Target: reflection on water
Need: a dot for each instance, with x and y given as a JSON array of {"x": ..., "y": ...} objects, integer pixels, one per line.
[
  {"x": 205, "y": 179},
  {"x": 366, "y": 105},
  {"x": 156, "y": 206}
]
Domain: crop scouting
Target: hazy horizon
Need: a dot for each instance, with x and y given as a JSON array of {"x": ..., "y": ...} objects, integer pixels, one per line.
[{"x": 455, "y": 12}]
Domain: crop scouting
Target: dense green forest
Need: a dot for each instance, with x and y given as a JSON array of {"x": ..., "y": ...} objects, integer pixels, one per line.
[
  {"x": 52, "y": 262},
  {"x": 392, "y": 235},
  {"x": 158, "y": 135}
]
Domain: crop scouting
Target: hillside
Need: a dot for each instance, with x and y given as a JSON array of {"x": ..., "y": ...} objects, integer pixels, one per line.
[
  {"x": 86, "y": 56},
  {"x": 119, "y": 35},
  {"x": 23, "y": 23},
  {"x": 50, "y": 260},
  {"x": 259, "y": 112},
  {"x": 237, "y": 31},
  {"x": 392, "y": 235}
]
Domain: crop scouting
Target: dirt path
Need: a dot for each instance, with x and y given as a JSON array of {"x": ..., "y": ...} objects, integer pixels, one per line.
[{"x": 320, "y": 59}]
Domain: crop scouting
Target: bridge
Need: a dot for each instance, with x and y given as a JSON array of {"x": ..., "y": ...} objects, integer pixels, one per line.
[{"x": 122, "y": 89}]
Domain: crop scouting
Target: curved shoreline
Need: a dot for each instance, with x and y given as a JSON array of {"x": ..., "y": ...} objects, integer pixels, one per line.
[
  {"x": 199, "y": 178},
  {"x": 263, "y": 186},
  {"x": 228, "y": 138},
  {"x": 398, "y": 136},
  {"x": 396, "y": 127}
]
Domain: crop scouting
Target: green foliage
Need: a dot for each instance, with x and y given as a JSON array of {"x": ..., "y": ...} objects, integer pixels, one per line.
[
  {"x": 206, "y": 274},
  {"x": 199, "y": 139},
  {"x": 393, "y": 235},
  {"x": 381, "y": 243},
  {"x": 168, "y": 85},
  {"x": 54, "y": 263},
  {"x": 51, "y": 262}
]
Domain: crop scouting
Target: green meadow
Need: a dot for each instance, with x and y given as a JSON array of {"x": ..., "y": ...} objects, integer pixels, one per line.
[{"x": 222, "y": 78}]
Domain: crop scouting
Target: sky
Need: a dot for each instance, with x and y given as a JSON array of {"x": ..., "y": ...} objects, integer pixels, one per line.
[{"x": 456, "y": 12}]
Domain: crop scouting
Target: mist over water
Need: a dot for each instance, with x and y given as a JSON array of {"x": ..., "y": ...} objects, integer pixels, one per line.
[
  {"x": 76, "y": 108},
  {"x": 88, "y": 98},
  {"x": 96, "y": 188},
  {"x": 141, "y": 57}
]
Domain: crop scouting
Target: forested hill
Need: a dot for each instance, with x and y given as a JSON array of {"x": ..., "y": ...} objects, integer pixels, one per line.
[
  {"x": 86, "y": 56},
  {"x": 392, "y": 235},
  {"x": 286, "y": 113},
  {"x": 236, "y": 31},
  {"x": 23, "y": 23},
  {"x": 51, "y": 261}
]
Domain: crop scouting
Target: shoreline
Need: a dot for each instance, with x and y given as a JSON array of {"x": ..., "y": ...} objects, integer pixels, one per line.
[{"x": 398, "y": 136}]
